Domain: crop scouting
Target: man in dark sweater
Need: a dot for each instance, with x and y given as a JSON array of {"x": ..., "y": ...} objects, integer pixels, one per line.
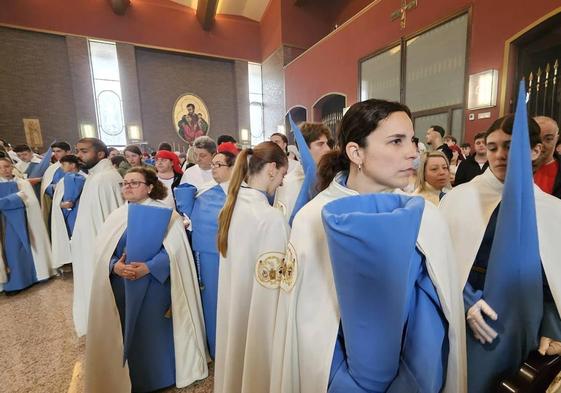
[
  {"x": 475, "y": 164},
  {"x": 435, "y": 141}
]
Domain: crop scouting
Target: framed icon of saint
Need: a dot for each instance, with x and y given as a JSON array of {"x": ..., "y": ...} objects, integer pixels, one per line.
[{"x": 190, "y": 117}]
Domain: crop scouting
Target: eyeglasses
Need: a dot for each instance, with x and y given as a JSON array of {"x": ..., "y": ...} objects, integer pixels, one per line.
[
  {"x": 131, "y": 184},
  {"x": 217, "y": 165}
]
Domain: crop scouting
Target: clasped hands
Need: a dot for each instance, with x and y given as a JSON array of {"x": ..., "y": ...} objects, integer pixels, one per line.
[
  {"x": 130, "y": 271},
  {"x": 486, "y": 334},
  {"x": 67, "y": 205}
]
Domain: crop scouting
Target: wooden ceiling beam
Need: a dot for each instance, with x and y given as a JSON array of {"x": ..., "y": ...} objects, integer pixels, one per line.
[
  {"x": 120, "y": 6},
  {"x": 206, "y": 11}
]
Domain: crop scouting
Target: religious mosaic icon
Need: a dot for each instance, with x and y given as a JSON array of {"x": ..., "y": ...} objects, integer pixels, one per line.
[{"x": 190, "y": 117}]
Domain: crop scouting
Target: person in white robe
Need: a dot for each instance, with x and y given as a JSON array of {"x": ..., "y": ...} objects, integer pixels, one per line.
[
  {"x": 282, "y": 141},
  {"x": 252, "y": 238},
  {"x": 100, "y": 196},
  {"x": 433, "y": 177},
  {"x": 62, "y": 211},
  {"x": 39, "y": 246},
  {"x": 27, "y": 159},
  {"x": 377, "y": 156},
  {"x": 480, "y": 199},
  {"x": 144, "y": 348},
  {"x": 50, "y": 178},
  {"x": 318, "y": 140},
  {"x": 201, "y": 173}
]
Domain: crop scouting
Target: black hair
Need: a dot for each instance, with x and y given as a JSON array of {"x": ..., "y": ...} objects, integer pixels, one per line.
[
  {"x": 439, "y": 129},
  {"x": 97, "y": 144},
  {"x": 225, "y": 138},
  {"x": 22, "y": 148},
  {"x": 61, "y": 145},
  {"x": 506, "y": 123},
  {"x": 70, "y": 158},
  {"x": 165, "y": 145}
]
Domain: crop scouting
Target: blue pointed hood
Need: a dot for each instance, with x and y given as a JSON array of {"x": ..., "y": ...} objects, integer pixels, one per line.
[
  {"x": 185, "y": 198},
  {"x": 39, "y": 169},
  {"x": 307, "y": 191}
]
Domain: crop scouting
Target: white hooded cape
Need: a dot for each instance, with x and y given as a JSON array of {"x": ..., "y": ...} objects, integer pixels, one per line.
[
  {"x": 100, "y": 196},
  {"x": 248, "y": 291},
  {"x": 38, "y": 237},
  {"x": 45, "y": 200},
  {"x": 104, "y": 346},
  {"x": 59, "y": 235},
  {"x": 308, "y": 313},
  {"x": 286, "y": 195},
  {"x": 477, "y": 200}
]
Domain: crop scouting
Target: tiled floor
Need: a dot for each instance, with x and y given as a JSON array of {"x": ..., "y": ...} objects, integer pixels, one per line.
[{"x": 39, "y": 351}]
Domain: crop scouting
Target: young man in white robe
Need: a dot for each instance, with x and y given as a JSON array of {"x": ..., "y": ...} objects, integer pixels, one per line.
[
  {"x": 200, "y": 174},
  {"x": 51, "y": 177},
  {"x": 100, "y": 196},
  {"x": 318, "y": 140},
  {"x": 377, "y": 156},
  {"x": 490, "y": 358}
]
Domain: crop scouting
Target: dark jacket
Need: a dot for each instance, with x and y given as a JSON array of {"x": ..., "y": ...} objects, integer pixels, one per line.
[
  {"x": 446, "y": 150},
  {"x": 468, "y": 169}
]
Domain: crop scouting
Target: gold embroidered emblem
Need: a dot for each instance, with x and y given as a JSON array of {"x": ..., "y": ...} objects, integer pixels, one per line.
[
  {"x": 289, "y": 269},
  {"x": 268, "y": 269}
]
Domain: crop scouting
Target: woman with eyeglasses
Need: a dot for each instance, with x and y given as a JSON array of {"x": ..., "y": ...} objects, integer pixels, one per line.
[
  {"x": 204, "y": 226},
  {"x": 146, "y": 328},
  {"x": 252, "y": 238}
]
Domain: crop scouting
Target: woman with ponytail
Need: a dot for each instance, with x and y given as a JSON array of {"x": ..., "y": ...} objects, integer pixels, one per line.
[
  {"x": 252, "y": 238},
  {"x": 359, "y": 311}
]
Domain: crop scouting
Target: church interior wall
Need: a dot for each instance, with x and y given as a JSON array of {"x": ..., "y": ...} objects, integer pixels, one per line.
[
  {"x": 273, "y": 92},
  {"x": 25, "y": 91},
  {"x": 332, "y": 64},
  {"x": 153, "y": 23},
  {"x": 164, "y": 76}
]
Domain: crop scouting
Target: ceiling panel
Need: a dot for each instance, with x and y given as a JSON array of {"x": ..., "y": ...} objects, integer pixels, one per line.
[{"x": 252, "y": 9}]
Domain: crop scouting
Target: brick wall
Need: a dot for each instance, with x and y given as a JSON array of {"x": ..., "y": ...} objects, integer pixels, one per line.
[
  {"x": 35, "y": 83},
  {"x": 164, "y": 76}
]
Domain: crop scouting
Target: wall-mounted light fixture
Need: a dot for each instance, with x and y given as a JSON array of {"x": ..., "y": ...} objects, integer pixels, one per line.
[
  {"x": 134, "y": 133},
  {"x": 281, "y": 129},
  {"x": 245, "y": 137},
  {"x": 88, "y": 131},
  {"x": 482, "y": 90}
]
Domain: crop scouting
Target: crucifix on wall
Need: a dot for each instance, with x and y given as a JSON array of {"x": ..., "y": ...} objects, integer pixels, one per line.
[{"x": 401, "y": 13}]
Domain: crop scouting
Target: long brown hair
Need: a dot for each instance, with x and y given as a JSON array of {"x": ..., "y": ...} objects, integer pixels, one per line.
[
  {"x": 248, "y": 163},
  {"x": 360, "y": 121}
]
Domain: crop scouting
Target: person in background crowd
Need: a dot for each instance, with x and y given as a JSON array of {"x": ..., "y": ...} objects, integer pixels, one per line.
[
  {"x": 190, "y": 159},
  {"x": 65, "y": 209},
  {"x": 435, "y": 141},
  {"x": 27, "y": 160},
  {"x": 548, "y": 175},
  {"x": 51, "y": 177},
  {"x": 169, "y": 173},
  {"x": 252, "y": 239},
  {"x": 116, "y": 161},
  {"x": 282, "y": 141},
  {"x": 226, "y": 138},
  {"x": 452, "y": 143},
  {"x": 26, "y": 253},
  {"x": 466, "y": 149},
  {"x": 113, "y": 152},
  {"x": 475, "y": 164},
  {"x": 318, "y": 140},
  {"x": 100, "y": 196},
  {"x": 165, "y": 146},
  {"x": 133, "y": 158},
  {"x": 433, "y": 177},
  {"x": 201, "y": 173},
  {"x": 204, "y": 230},
  {"x": 146, "y": 328}
]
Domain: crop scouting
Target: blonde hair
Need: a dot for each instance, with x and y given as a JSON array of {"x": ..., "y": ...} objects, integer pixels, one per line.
[
  {"x": 248, "y": 162},
  {"x": 420, "y": 183}
]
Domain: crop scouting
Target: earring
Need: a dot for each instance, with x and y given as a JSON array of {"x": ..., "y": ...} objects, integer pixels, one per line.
[
  {"x": 271, "y": 175},
  {"x": 360, "y": 167}
]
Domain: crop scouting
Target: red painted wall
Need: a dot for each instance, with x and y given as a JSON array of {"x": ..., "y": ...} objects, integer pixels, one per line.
[
  {"x": 159, "y": 23},
  {"x": 271, "y": 29},
  {"x": 303, "y": 26},
  {"x": 332, "y": 65}
]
